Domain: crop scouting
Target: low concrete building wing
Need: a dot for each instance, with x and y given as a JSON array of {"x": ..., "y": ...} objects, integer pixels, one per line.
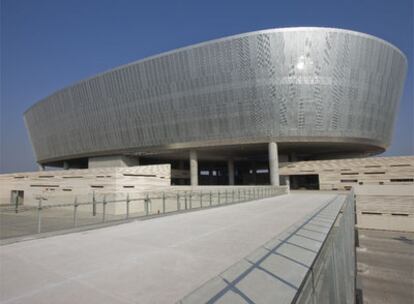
[
  {"x": 85, "y": 185},
  {"x": 384, "y": 187},
  {"x": 343, "y": 174},
  {"x": 386, "y": 207}
]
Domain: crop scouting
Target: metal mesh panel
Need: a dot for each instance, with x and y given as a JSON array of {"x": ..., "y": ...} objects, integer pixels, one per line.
[{"x": 285, "y": 84}]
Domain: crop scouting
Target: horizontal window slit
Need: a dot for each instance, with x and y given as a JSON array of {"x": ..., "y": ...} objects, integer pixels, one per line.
[
  {"x": 401, "y": 165},
  {"x": 374, "y": 172},
  {"x": 402, "y": 180},
  {"x": 49, "y": 186},
  {"x": 139, "y": 175}
]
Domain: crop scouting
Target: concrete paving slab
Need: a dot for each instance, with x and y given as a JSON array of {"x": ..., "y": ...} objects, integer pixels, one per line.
[{"x": 153, "y": 261}]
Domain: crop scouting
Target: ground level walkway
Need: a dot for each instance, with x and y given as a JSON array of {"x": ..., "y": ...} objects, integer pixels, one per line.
[{"x": 157, "y": 260}]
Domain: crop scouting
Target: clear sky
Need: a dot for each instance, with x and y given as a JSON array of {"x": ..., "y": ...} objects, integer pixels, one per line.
[{"x": 49, "y": 44}]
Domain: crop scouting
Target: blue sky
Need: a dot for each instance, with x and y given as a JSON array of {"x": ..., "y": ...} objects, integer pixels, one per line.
[{"x": 49, "y": 44}]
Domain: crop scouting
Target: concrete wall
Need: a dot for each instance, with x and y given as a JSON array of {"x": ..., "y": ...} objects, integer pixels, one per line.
[
  {"x": 340, "y": 174},
  {"x": 62, "y": 187},
  {"x": 112, "y": 161},
  {"x": 387, "y": 207},
  {"x": 384, "y": 187}
]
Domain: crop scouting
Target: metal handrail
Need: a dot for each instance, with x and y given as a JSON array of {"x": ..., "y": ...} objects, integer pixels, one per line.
[{"x": 205, "y": 197}]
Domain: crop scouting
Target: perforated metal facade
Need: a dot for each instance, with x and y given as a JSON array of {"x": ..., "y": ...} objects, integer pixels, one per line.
[{"x": 284, "y": 85}]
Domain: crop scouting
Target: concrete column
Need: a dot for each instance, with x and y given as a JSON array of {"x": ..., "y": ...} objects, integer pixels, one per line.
[
  {"x": 41, "y": 167},
  {"x": 65, "y": 165},
  {"x": 193, "y": 168},
  {"x": 230, "y": 170},
  {"x": 273, "y": 164}
]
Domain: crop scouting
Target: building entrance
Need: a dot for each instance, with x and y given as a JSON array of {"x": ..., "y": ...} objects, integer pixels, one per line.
[{"x": 306, "y": 182}]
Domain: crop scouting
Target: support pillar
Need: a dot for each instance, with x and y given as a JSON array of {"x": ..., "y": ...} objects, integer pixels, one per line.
[
  {"x": 193, "y": 168},
  {"x": 273, "y": 164},
  {"x": 65, "y": 165},
  {"x": 41, "y": 167},
  {"x": 230, "y": 170}
]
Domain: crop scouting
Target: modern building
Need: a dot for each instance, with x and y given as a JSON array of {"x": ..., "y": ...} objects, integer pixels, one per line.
[{"x": 228, "y": 110}]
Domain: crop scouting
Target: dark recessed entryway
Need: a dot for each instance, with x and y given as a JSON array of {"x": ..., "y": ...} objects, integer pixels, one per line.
[{"x": 308, "y": 182}]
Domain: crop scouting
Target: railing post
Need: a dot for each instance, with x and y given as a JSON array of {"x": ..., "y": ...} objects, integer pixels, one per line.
[
  {"x": 238, "y": 190},
  {"x": 146, "y": 205},
  {"x": 178, "y": 201},
  {"x": 232, "y": 195},
  {"x": 75, "y": 208},
  {"x": 185, "y": 200},
  {"x": 93, "y": 204},
  {"x": 39, "y": 216},
  {"x": 104, "y": 209},
  {"x": 16, "y": 204},
  {"x": 190, "y": 200},
  {"x": 227, "y": 201},
  {"x": 201, "y": 199},
  {"x": 211, "y": 199},
  {"x": 127, "y": 206},
  {"x": 163, "y": 202},
  {"x": 218, "y": 197}
]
